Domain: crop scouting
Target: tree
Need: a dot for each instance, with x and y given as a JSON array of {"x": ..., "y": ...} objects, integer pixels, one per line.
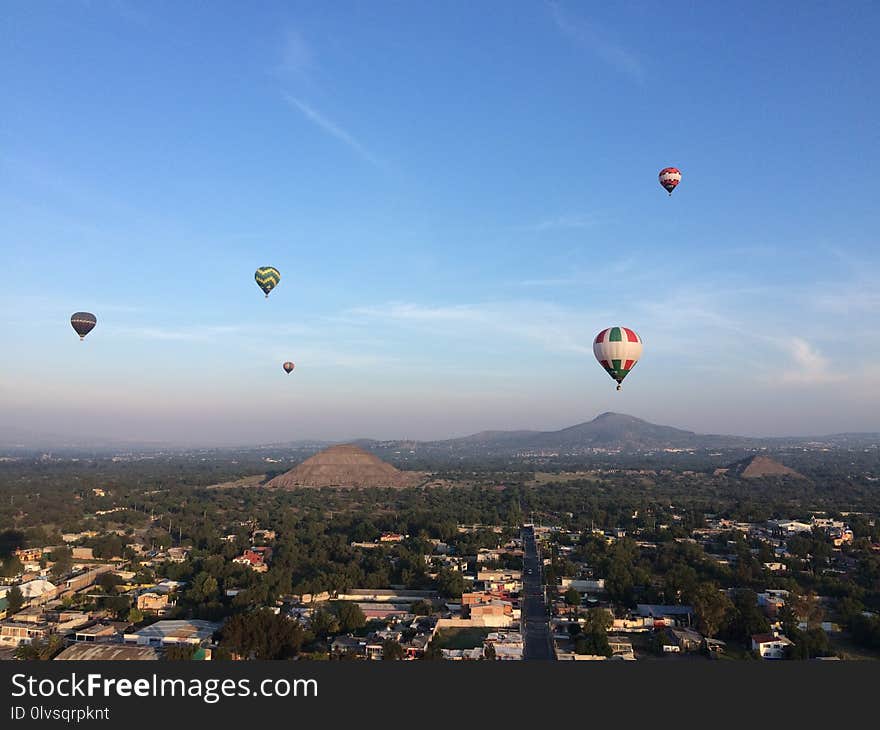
[
  {"x": 598, "y": 620},
  {"x": 204, "y": 588},
  {"x": 392, "y": 650},
  {"x": 746, "y": 617},
  {"x": 62, "y": 562},
  {"x": 593, "y": 643},
  {"x": 572, "y": 599},
  {"x": 489, "y": 652},
  {"x": 108, "y": 582},
  {"x": 135, "y": 616},
  {"x": 40, "y": 650},
  {"x": 450, "y": 583},
  {"x": 11, "y": 567},
  {"x": 349, "y": 615},
  {"x": 808, "y": 609},
  {"x": 262, "y": 635},
  {"x": 179, "y": 653},
  {"x": 14, "y": 600},
  {"x": 711, "y": 607},
  {"x": 422, "y": 608},
  {"x": 324, "y": 623}
]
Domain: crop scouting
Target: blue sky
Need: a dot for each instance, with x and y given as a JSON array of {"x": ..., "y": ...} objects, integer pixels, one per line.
[{"x": 458, "y": 196}]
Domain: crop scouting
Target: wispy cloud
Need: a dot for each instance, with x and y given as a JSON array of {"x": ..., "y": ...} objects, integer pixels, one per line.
[
  {"x": 562, "y": 222},
  {"x": 181, "y": 334},
  {"x": 598, "y": 40},
  {"x": 331, "y": 128},
  {"x": 554, "y": 328},
  {"x": 810, "y": 367},
  {"x": 297, "y": 58}
]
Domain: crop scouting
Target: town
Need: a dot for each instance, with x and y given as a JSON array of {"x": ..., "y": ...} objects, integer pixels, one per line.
[{"x": 572, "y": 570}]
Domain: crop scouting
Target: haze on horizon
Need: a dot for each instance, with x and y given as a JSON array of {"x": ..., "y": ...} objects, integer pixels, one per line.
[{"x": 457, "y": 200}]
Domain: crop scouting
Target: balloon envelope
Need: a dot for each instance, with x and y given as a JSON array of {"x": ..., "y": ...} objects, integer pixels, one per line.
[
  {"x": 670, "y": 177},
  {"x": 267, "y": 278},
  {"x": 617, "y": 349},
  {"x": 288, "y": 367},
  {"x": 83, "y": 323}
]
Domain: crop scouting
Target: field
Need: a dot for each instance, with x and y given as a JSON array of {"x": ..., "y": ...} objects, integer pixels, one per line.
[{"x": 464, "y": 638}]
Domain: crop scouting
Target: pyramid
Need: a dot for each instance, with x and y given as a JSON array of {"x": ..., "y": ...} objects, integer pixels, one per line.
[
  {"x": 346, "y": 465},
  {"x": 761, "y": 466}
]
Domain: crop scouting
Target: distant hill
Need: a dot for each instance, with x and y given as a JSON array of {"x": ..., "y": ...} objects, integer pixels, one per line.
[
  {"x": 761, "y": 466},
  {"x": 345, "y": 465},
  {"x": 606, "y": 432}
]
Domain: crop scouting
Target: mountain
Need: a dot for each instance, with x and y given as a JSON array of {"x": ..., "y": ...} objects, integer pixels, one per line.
[
  {"x": 761, "y": 466},
  {"x": 345, "y": 465},
  {"x": 606, "y": 432}
]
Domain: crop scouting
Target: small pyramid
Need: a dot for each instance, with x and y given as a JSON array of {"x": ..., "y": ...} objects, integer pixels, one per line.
[
  {"x": 761, "y": 466},
  {"x": 346, "y": 465}
]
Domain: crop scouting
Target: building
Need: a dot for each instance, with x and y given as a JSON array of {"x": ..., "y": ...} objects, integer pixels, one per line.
[
  {"x": 153, "y": 603},
  {"x": 666, "y": 615},
  {"x": 392, "y": 537},
  {"x": 98, "y": 634},
  {"x": 16, "y": 633},
  {"x": 257, "y": 559},
  {"x": 684, "y": 639},
  {"x": 165, "y": 633},
  {"x": 583, "y": 586},
  {"x": 382, "y": 610},
  {"x": 107, "y": 653},
  {"x": 29, "y": 555},
  {"x": 178, "y": 554},
  {"x": 770, "y": 646}
]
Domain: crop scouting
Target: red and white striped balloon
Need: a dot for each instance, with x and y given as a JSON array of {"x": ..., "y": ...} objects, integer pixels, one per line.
[{"x": 670, "y": 177}]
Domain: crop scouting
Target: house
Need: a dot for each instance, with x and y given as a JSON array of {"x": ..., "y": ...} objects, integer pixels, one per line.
[
  {"x": 666, "y": 615},
  {"x": 29, "y": 555},
  {"x": 685, "y": 639},
  {"x": 16, "y": 633},
  {"x": 391, "y": 537},
  {"x": 153, "y": 603},
  {"x": 770, "y": 646},
  {"x": 348, "y": 645},
  {"x": 415, "y": 647},
  {"x": 257, "y": 559},
  {"x": 178, "y": 554},
  {"x": 621, "y": 646},
  {"x": 165, "y": 633}
]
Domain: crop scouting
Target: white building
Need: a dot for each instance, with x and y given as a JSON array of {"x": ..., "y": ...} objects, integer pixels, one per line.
[{"x": 770, "y": 646}]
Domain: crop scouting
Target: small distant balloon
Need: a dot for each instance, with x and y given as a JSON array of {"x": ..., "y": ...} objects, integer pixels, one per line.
[
  {"x": 288, "y": 367},
  {"x": 617, "y": 349},
  {"x": 83, "y": 323},
  {"x": 267, "y": 278},
  {"x": 670, "y": 177}
]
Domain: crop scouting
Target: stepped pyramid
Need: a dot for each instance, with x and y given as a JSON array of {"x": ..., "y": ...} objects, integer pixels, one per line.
[{"x": 346, "y": 465}]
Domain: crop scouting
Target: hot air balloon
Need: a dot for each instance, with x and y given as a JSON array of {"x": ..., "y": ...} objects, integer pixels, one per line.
[
  {"x": 267, "y": 278},
  {"x": 670, "y": 177},
  {"x": 83, "y": 323},
  {"x": 288, "y": 367},
  {"x": 617, "y": 349}
]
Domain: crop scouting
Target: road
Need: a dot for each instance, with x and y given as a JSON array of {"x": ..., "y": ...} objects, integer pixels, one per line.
[{"x": 534, "y": 610}]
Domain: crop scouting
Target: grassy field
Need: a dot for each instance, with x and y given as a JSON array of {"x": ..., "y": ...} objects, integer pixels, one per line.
[{"x": 464, "y": 638}]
